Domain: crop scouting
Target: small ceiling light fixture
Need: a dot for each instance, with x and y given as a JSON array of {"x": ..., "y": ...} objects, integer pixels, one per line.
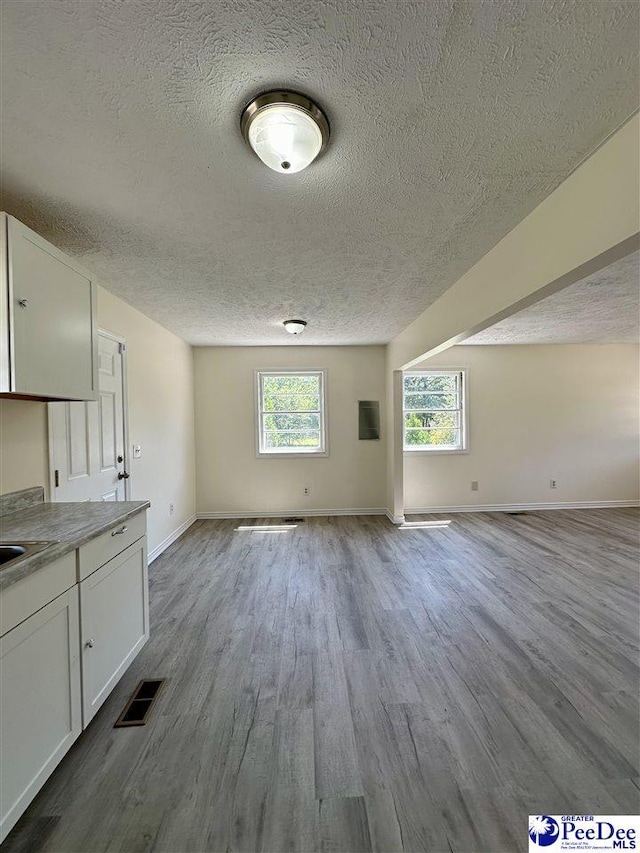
[
  {"x": 295, "y": 327},
  {"x": 286, "y": 130}
]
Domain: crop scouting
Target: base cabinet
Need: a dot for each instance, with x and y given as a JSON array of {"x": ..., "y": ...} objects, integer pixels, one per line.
[
  {"x": 40, "y": 705},
  {"x": 71, "y": 629},
  {"x": 114, "y": 609}
]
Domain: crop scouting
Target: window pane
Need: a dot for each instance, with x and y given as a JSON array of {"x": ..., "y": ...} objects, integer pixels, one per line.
[
  {"x": 425, "y": 382},
  {"x": 290, "y": 385},
  {"x": 291, "y": 402},
  {"x": 300, "y": 440},
  {"x": 433, "y": 411},
  {"x": 446, "y": 438},
  {"x": 290, "y": 416},
  {"x": 430, "y": 401},
  {"x": 431, "y": 420},
  {"x": 291, "y": 422}
]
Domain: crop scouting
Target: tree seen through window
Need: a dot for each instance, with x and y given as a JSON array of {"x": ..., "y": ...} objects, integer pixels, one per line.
[
  {"x": 291, "y": 412},
  {"x": 433, "y": 411}
]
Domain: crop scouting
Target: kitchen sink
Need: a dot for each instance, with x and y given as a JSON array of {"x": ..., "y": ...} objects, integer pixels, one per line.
[{"x": 11, "y": 552}]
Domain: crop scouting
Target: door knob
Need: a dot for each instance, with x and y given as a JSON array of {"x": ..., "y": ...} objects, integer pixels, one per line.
[{"x": 123, "y": 475}]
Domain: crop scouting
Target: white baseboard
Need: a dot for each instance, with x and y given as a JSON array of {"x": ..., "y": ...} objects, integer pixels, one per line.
[
  {"x": 290, "y": 513},
  {"x": 394, "y": 519},
  {"x": 399, "y": 519},
  {"x": 519, "y": 507},
  {"x": 171, "y": 538}
]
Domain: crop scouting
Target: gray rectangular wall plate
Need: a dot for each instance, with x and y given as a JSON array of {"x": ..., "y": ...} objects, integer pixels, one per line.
[{"x": 368, "y": 420}]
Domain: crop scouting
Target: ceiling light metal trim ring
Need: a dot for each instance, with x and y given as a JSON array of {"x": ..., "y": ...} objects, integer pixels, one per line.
[{"x": 290, "y": 99}]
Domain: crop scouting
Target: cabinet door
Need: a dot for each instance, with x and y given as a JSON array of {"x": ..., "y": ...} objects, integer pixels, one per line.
[
  {"x": 52, "y": 319},
  {"x": 40, "y": 709},
  {"x": 114, "y": 616}
]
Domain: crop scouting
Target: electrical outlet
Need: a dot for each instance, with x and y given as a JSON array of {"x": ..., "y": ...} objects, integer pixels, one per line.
[
  {"x": 553, "y": 484},
  {"x": 474, "y": 485},
  {"x": 306, "y": 490},
  {"x": 172, "y": 509}
]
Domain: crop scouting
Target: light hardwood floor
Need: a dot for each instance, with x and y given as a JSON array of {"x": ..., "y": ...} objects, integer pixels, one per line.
[{"x": 349, "y": 686}]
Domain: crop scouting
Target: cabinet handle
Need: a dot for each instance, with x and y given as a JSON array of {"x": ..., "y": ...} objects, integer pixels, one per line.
[
  {"x": 90, "y": 643},
  {"x": 23, "y": 303},
  {"x": 122, "y": 530}
]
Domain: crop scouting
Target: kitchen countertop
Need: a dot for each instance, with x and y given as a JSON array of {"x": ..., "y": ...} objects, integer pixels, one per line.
[{"x": 66, "y": 525}]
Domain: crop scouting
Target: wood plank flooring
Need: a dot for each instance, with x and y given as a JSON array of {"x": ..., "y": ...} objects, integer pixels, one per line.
[{"x": 346, "y": 685}]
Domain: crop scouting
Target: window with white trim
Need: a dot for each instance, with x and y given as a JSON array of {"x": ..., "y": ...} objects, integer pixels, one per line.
[
  {"x": 291, "y": 412},
  {"x": 433, "y": 411}
]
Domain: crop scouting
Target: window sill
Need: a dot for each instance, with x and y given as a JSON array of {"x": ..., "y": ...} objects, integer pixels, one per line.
[
  {"x": 322, "y": 454},
  {"x": 435, "y": 452}
]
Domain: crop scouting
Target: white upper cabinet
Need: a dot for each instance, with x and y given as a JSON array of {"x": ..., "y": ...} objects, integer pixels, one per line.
[{"x": 48, "y": 331}]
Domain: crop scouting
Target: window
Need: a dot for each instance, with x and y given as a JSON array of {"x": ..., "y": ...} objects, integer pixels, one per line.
[
  {"x": 433, "y": 411},
  {"x": 291, "y": 412}
]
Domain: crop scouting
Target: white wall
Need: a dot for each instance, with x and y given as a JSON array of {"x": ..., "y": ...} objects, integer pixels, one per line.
[
  {"x": 23, "y": 445},
  {"x": 230, "y": 479},
  {"x": 536, "y": 413},
  {"x": 568, "y": 412},
  {"x": 161, "y": 413},
  {"x": 590, "y": 220}
]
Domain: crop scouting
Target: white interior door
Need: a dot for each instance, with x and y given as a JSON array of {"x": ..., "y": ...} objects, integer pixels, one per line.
[{"x": 87, "y": 455}]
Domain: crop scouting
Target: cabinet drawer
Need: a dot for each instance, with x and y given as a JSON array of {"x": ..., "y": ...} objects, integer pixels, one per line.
[
  {"x": 21, "y": 599},
  {"x": 104, "y": 548}
]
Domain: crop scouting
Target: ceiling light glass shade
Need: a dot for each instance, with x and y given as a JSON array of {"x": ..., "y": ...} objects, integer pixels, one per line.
[
  {"x": 295, "y": 327},
  {"x": 285, "y": 139},
  {"x": 286, "y": 130}
]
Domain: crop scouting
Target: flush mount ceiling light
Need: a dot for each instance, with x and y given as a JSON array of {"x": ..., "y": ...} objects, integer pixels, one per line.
[
  {"x": 286, "y": 130},
  {"x": 295, "y": 327}
]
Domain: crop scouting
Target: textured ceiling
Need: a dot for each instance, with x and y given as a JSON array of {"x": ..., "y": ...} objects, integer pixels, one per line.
[
  {"x": 450, "y": 122},
  {"x": 603, "y": 308}
]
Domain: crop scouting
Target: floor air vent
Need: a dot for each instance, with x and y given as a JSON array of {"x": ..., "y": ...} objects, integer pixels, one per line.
[
  {"x": 292, "y": 520},
  {"x": 136, "y": 711}
]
